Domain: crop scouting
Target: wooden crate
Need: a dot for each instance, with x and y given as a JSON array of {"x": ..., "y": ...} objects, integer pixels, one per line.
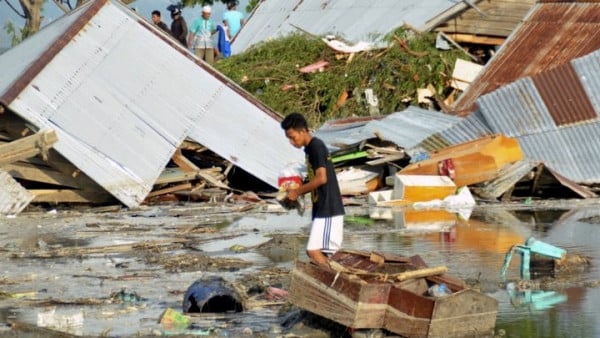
[
  {"x": 412, "y": 313},
  {"x": 345, "y": 299}
]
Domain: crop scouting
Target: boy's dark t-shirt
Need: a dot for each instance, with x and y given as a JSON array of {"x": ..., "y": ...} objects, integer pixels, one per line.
[{"x": 326, "y": 199}]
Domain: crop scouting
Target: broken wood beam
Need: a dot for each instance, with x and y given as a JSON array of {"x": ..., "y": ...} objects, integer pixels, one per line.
[
  {"x": 70, "y": 196},
  {"x": 173, "y": 175},
  {"x": 386, "y": 159},
  {"x": 425, "y": 272},
  {"x": 38, "y": 173},
  {"x": 186, "y": 165},
  {"x": 184, "y": 186},
  {"x": 26, "y": 147}
]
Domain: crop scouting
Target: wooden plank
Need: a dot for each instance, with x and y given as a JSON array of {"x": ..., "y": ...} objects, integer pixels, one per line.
[
  {"x": 58, "y": 162},
  {"x": 425, "y": 272},
  {"x": 184, "y": 186},
  {"x": 386, "y": 159},
  {"x": 27, "y": 147},
  {"x": 470, "y": 38},
  {"x": 186, "y": 165},
  {"x": 70, "y": 196},
  {"x": 183, "y": 162},
  {"x": 36, "y": 173},
  {"x": 172, "y": 175}
]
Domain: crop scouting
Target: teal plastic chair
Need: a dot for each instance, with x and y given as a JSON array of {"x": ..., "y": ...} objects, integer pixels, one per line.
[{"x": 531, "y": 246}]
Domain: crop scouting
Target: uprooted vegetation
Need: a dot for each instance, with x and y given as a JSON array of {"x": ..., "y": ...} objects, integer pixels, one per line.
[{"x": 270, "y": 71}]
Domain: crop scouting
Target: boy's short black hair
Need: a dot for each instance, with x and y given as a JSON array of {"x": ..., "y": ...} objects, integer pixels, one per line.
[
  {"x": 294, "y": 121},
  {"x": 156, "y": 12}
]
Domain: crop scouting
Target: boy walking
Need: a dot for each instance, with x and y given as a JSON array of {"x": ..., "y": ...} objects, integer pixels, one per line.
[{"x": 327, "y": 229}]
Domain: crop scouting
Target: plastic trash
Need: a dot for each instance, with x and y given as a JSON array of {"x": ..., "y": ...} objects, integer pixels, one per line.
[
  {"x": 439, "y": 290},
  {"x": 211, "y": 295},
  {"x": 290, "y": 177}
]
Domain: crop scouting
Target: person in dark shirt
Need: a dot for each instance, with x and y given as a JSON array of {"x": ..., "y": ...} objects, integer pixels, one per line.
[
  {"x": 327, "y": 229},
  {"x": 157, "y": 21},
  {"x": 179, "y": 28}
]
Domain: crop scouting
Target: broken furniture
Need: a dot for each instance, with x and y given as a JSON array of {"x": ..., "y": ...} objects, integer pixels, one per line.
[
  {"x": 532, "y": 246},
  {"x": 367, "y": 290},
  {"x": 472, "y": 162}
]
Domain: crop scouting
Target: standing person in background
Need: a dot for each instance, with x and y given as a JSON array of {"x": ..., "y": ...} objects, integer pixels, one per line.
[
  {"x": 223, "y": 40},
  {"x": 200, "y": 37},
  {"x": 327, "y": 229},
  {"x": 235, "y": 19},
  {"x": 157, "y": 21},
  {"x": 178, "y": 26}
]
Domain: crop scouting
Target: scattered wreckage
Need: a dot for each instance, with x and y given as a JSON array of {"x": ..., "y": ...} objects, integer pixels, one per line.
[{"x": 370, "y": 290}]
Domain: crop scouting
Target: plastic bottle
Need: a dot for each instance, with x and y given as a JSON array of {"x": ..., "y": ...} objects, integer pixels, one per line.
[{"x": 439, "y": 290}]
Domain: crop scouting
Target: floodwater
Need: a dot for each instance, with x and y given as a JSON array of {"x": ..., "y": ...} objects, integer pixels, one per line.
[{"x": 122, "y": 290}]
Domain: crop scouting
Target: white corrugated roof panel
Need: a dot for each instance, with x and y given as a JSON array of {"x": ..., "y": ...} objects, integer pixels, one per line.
[
  {"x": 121, "y": 99},
  {"x": 354, "y": 20}
]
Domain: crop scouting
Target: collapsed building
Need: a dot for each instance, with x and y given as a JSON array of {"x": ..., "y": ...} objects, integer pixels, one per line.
[{"x": 101, "y": 80}]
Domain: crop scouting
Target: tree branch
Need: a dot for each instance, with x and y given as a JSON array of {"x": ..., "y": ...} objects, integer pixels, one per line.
[{"x": 15, "y": 9}]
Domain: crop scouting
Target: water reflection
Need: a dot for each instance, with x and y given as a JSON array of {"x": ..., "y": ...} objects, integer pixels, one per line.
[{"x": 474, "y": 249}]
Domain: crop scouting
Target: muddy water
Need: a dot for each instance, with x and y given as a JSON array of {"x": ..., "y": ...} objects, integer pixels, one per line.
[{"x": 75, "y": 293}]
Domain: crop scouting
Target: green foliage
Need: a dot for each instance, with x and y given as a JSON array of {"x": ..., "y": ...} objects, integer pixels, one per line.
[
  {"x": 270, "y": 72},
  {"x": 251, "y": 5},
  {"x": 16, "y": 35}
]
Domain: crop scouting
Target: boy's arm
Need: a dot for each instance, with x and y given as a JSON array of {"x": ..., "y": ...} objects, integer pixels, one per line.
[{"x": 317, "y": 181}]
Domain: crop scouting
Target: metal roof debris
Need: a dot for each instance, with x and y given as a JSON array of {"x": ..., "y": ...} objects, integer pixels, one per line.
[
  {"x": 552, "y": 34},
  {"x": 407, "y": 129},
  {"x": 354, "y": 20},
  {"x": 555, "y": 116},
  {"x": 530, "y": 178},
  {"x": 120, "y": 121}
]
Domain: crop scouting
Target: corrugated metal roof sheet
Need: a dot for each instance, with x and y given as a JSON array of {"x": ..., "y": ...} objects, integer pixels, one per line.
[
  {"x": 354, "y": 20},
  {"x": 571, "y": 151},
  {"x": 13, "y": 197},
  {"x": 567, "y": 142},
  {"x": 467, "y": 129},
  {"x": 552, "y": 34},
  {"x": 412, "y": 126},
  {"x": 121, "y": 96},
  {"x": 407, "y": 129}
]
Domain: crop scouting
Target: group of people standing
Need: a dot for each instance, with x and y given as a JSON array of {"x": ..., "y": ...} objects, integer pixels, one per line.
[{"x": 198, "y": 36}]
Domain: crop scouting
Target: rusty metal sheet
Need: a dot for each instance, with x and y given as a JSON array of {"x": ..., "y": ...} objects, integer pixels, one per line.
[
  {"x": 552, "y": 34},
  {"x": 564, "y": 96}
]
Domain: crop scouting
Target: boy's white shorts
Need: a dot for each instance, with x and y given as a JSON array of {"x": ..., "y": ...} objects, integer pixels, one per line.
[{"x": 326, "y": 234}]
